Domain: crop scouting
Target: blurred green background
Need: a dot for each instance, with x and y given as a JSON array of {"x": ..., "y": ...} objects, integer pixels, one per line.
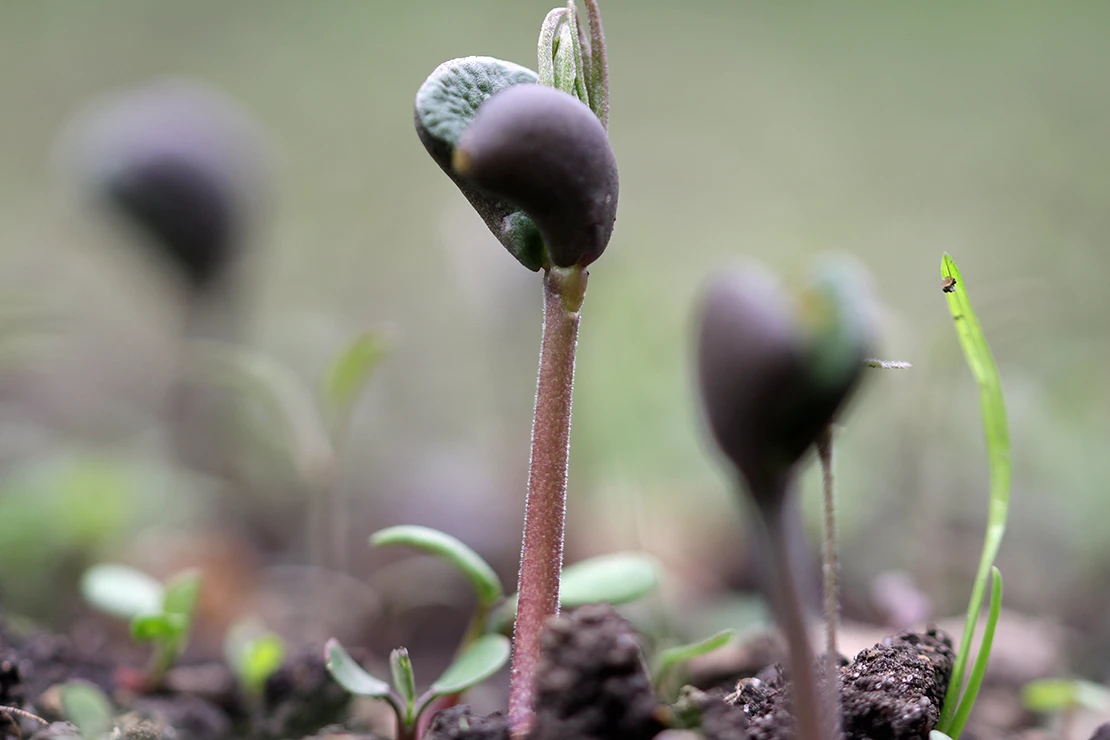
[{"x": 889, "y": 131}]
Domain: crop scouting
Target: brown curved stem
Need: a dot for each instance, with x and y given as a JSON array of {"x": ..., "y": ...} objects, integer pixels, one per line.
[
  {"x": 830, "y": 571},
  {"x": 791, "y": 616},
  {"x": 541, "y": 559}
]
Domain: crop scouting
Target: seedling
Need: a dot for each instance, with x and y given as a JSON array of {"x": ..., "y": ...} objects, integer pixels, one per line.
[
  {"x": 959, "y": 700},
  {"x": 535, "y": 162},
  {"x": 483, "y": 650},
  {"x": 253, "y": 654},
  {"x": 773, "y": 373},
  {"x": 482, "y": 659},
  {"x": 666, "y": 661},
  {"x": 159, "y": 614}
]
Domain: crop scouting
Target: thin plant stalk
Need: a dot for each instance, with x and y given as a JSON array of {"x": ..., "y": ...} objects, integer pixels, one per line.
[
  {"x": 830, "y": 566},
  {"x": 545, "y": 507},
  {"x": 806, "y": 703}
]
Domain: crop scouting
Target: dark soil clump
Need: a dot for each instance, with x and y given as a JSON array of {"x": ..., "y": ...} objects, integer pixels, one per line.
[
  {"x": 591, "y": 681},
  {"x": 457, "y": 723},
  {"x": 892, "y": 691}
]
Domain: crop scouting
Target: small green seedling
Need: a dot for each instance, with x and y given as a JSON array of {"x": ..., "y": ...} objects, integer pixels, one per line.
[
  {"x": 483, "y": 649},
  {"x": 484, "y": 657},
  {"x": 1062, "y": 697},
  {"x": 159, "y": 614},
  {"x": 671, "y": 658},
  {"x": 253, "y": 654},
  {"x": 959, "y": 700}
]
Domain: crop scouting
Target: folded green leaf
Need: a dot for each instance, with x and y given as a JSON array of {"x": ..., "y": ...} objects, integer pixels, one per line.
[
  {"x": 350, "y": 675},
  {"x": 122, "y": 591},
  {"x": 403, "y": 680},
  {"x": 485, "y": 581},
  {"x": 482, "y": 659}
]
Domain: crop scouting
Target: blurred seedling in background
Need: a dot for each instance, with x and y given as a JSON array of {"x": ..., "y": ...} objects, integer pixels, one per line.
[
  {"x": 188, "y": 173},
  {"x": 253, "y": 654},
  {"x": 534, "y": 161},
  {"x": 185, "y": 171},
  {"x": 774, "y": 370},
  {"x": 483, "y": 648},
  {"x": 1062, "y": 698},
  {"x": 161, "y": 614}
]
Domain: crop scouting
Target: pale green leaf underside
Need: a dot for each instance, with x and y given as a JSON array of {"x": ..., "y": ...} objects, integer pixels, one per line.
[
  {"x": 449, "y": 99},
  {"x": 485, "y": 581},
  {"x": 351, "y": 676},
  {"x": 482, "y": 659},
  {"x": 122, "y": 591}
]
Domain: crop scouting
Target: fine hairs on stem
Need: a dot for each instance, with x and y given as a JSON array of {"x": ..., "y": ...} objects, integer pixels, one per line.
[
  {"x": 545, "y": 507},
  {"x": 829, "y": 571}
]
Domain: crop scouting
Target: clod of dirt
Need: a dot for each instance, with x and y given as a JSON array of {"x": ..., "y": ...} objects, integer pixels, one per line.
[
  {"x": 457, "y": 723},
  {"x": 892, "y": 691},
  {"x": 591, "y": 681},
  {"x": 301, "y": 697}
]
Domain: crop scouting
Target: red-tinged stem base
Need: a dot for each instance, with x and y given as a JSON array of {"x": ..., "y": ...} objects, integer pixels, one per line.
[{"x": 541, "y": 558}]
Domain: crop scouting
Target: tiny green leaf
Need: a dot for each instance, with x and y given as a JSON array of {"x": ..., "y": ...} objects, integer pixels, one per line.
[
  {"x": 350, "y": 675},
  {"x": 401, "y": 668},
  {"x": 86, "y": 706},
  {"x": 485, "y": 581},
  {"x": 617, "y": 578},
  {"x": 979, "y": 669},
  {"x": 1054, "y": 695},
  {"x": 259, "y": 659},
  {"x": 182, "y": 592},
  {"x": 351, "y": 369},
  {"x": 993, "y": 411},
  {"x": 482, "y": 659},
  {"x": 157, "y": 627},
  {"x": 666, "y": 660},
  {"x": 122, "y": 591}
]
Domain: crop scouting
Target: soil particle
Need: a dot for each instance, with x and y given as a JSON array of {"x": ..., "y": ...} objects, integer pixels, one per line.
[
  {"x": 591, "y": 681},
  {"x": 300, "y": 697},
  {"x": 892, "y": 691},
  {"x": 183, "y": 716},
  {"x": 457, "y": 723}
]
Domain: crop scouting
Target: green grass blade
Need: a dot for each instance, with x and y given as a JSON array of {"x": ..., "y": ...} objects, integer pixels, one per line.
[
  {"x": 975, "y": 680},
  {"x": 981, "y": 362}
]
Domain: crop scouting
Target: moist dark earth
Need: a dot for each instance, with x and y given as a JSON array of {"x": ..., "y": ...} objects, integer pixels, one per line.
[{"x": 592, "y": 684}]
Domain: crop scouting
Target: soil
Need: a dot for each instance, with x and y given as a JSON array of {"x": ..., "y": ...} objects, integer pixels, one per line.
[
  {"x": 195, "y": 702},
  {"x": 592, "y": 684}
]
